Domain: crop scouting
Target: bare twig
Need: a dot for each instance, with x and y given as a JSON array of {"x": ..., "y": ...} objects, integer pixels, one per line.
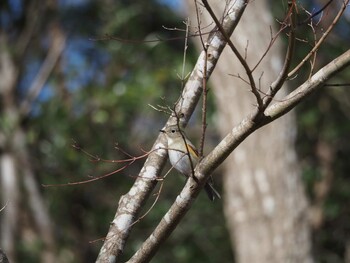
[
  {"x": 127, "y": 162},
  {"x": 205, "y": 90},
  {"x": 183, "y": 77},
  {"x": 272, "y": 41},
  {"x": 151, "y": 207},
  {"x": 161, "y": 108},
  {"x": 199, "y": 24},
  {"x": 241, "y": 59},
  {"x": 314, "y": 56},
  {"x": 320, "y": 41},
  {"x": 316, "y": 81},
  {"x": 204, "y": 107},
  {"x": 91, "y": 180},
  {"x": 278, "y": 83},
  {"x": 316, "y": 13}
]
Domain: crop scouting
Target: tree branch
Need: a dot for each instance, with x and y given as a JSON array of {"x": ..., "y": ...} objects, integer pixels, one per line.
[
  {"x": 131, "y": 203},
  {"x": 321, "y": 40},
  {"x": 205, "y": 168},
  {"x": 241, "y": 59},
  {"x": 278, "y": 83},
  {"x": 315, "y": 82}
]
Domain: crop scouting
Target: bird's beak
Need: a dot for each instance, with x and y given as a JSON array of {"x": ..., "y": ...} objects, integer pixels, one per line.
[{"x": 162, "y": 131}]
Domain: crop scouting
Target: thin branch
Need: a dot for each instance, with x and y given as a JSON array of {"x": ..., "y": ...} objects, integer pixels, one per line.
[
  {"x": 272, "y": 41},
  {"x": 153, "y": 204},
  {"x": 314, "y": 56},
  {"x": 322, "y": 39},
  {"x": 316, "y": 13},
  {"x": 238, "y": 55},
  {"x": 316, "y": 81},
  {"x": 161, "y": 108},
  {"x": 205, "y": 90},
  {"x": 199, "y": 24},
  {"x": 187, "y": 23},
  {"x": 91, "y": 180},
  {"x": 278, "y": 83},
  {"x": 204, "y": 108}
]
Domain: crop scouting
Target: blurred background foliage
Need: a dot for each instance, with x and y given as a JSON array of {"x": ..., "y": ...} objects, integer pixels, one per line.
[{"x": 98, "y": 96}]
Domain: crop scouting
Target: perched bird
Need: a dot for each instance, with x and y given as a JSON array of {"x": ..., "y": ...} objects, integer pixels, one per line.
[{"x": 178, "y": 156}]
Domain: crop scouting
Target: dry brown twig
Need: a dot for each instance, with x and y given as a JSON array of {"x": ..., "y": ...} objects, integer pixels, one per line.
[
  {"x": 278, "y": 83},
  {"x": 241, "y": 59},
  {"x": 321, "y": 40},
  {"x": 205, "y": 89},
  {"x": 94, "y": 158}
]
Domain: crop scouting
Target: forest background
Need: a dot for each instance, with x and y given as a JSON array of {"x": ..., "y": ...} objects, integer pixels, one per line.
[{"x": 74, "y": 90}]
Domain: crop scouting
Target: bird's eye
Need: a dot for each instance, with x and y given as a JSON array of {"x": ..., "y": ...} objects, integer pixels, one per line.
[{"x": 173, "y": 131}]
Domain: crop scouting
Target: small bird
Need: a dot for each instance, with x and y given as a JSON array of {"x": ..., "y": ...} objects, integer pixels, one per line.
[{"x": 178, "y": 156}]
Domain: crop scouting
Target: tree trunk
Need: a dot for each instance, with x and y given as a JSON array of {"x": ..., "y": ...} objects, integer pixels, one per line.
[{"x": 264, "y": 200}]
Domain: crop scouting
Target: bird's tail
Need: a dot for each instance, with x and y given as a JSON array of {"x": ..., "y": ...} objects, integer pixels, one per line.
[{"x": 211, "y": 191}]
